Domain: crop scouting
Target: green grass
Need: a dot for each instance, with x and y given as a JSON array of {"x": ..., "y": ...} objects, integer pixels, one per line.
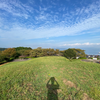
[{"x": 28, "y": 80}]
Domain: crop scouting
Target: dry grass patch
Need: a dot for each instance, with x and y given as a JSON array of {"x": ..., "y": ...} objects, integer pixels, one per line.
[
  {"x": 86, "y": 97},
  {"x": 69, "y": 83}
]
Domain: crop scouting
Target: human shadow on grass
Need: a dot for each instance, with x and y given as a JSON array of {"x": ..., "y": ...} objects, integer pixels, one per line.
[{"x": 52, "y": 86}]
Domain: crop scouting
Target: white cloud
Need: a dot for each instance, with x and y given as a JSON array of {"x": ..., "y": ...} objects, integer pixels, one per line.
[
  {"x": 49, "y": 28},
  {"x": 44, "y": 32},
  {"x": 15, "y": 8},
  {"x": 81, "y": 44}
]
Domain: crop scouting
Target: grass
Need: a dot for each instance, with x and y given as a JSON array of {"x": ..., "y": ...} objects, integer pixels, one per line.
[{"x": 28, "y": 80}]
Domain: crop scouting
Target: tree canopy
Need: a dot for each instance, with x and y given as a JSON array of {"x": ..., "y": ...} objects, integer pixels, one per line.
[
  {"x": 80, "y": 53},
  {"x": 70, "y": 53},
  {"x": 21, "y": 48}
]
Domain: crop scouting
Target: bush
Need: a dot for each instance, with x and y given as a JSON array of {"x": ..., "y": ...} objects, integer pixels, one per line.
[
  {"x": 82, "y": 58},
  {"x": 2, "y": 59}
]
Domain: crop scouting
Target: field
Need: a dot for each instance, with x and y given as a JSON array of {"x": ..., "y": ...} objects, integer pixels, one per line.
[{"x": 50, "y": 78}]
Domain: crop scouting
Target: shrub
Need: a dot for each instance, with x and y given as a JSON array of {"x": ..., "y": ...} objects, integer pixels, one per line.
[
  {"x": 2, "y": 59},
  {"x": 82, "y": 58}
]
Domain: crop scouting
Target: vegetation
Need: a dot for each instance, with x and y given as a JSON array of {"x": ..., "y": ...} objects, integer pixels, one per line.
[
  {"x": 2, "y": 59},
  {"x": 8, "y": 55},
  {"x": 0, "y": 52},
  {"x": 24, "y": 52},
  {"x": 2, "y": 49},
  {"x": 83, "y": 58},
  {"x": 21, "y": 48},
  {"x": 30, "y": 80},
  {"x": 27, "y": 52},
  {"x": 39, "y": 52},
  {"x": 10, "y": 52},
  {"x": 70, "y": 53},
  {"x": 80, "y": 53}
]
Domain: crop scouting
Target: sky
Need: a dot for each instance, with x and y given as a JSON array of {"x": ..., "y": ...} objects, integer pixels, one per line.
[{"x": 58, "y": 24}]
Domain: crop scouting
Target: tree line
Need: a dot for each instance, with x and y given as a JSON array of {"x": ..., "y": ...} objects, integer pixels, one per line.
[
  {"x": 10, "y": 54},
  {"x": 1, "y": 49}
]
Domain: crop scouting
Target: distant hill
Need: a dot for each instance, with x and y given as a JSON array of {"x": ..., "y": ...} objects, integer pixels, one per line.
[{"x": 1, "y": 49}]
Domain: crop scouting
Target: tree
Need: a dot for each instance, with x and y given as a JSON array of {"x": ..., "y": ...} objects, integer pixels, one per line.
[
  {"x": 9, "y": 53},
  {"x": 69, "y": 53},
  {"x": 62, "y": 53},
  {"x": 2, "y": 58},
  {"x": 39, "y": 48},
  {"x": 2, "y": 49},
  {"x": 36, "y": 53},
  {"x": 44, "y": 52},
  {"x": 24, "y": 52},
  {"x": 0, "y": 52},
  {"x": 57, "y": 52},
  {"x": 79, "y": 53},
  {"x": 21, "y": 48}
]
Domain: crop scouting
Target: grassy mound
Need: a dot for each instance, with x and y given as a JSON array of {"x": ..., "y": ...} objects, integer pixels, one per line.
[{"x": 50, "y": 78}]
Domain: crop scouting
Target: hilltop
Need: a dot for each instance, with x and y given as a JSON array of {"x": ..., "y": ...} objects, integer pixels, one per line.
[{"x": 45, "y": 77}]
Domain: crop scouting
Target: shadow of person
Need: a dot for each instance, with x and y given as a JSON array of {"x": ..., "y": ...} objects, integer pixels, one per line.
[{"x": 52, "y": 86}]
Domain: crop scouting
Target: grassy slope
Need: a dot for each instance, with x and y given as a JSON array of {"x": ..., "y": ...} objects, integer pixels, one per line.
[{"x": 28, "y": 79}]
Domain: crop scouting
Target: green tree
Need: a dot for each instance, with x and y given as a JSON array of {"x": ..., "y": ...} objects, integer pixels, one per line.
[
  {"x": 36, "y": 53},
  {"x": 80, "y": 53},
  {"x": 9, "y": 53},
  {"x": 2, "y": 49},
  {"x": 24, "y": 52},
  {"x": 21, "y": 48},
  {"x": 2, "y": 59},
  {"x": 0, "y": 52},
  {"x": 50, "y": 52},
  {"x": 57, "y": 52},
  {"x": 70, "y": 54},
  {"x": 62, "y": 53}
]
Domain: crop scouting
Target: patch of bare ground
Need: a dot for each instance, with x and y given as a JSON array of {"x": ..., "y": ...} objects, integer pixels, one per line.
[
  {"x": 86, "y": 97},
  {"x": 54, "y": 67},
  {"x": 17, "y": 60},
  {"x": 59, "y": 90},
  {"x": 29, "y": 87},
  {"x": 61, "y": 71},
  {"x": 62, "y": 68},
  {"x": 70, "y": 72},
  {"x": 69, "y": 83}
]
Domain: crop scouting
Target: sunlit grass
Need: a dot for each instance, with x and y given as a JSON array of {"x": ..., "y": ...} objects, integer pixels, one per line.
[{"x": 27, "y": 80}]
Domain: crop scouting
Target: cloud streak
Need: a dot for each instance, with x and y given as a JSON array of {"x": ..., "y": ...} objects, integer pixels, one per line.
[
  {"x": 16, "y": 8},
  {"x": 44, "y": 31},
  {"x": 81, "y": 44},
  {"x": 36, "y": 19}
]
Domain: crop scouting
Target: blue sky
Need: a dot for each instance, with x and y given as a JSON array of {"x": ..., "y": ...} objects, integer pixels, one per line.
[{"x": 59, "y": 24}]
